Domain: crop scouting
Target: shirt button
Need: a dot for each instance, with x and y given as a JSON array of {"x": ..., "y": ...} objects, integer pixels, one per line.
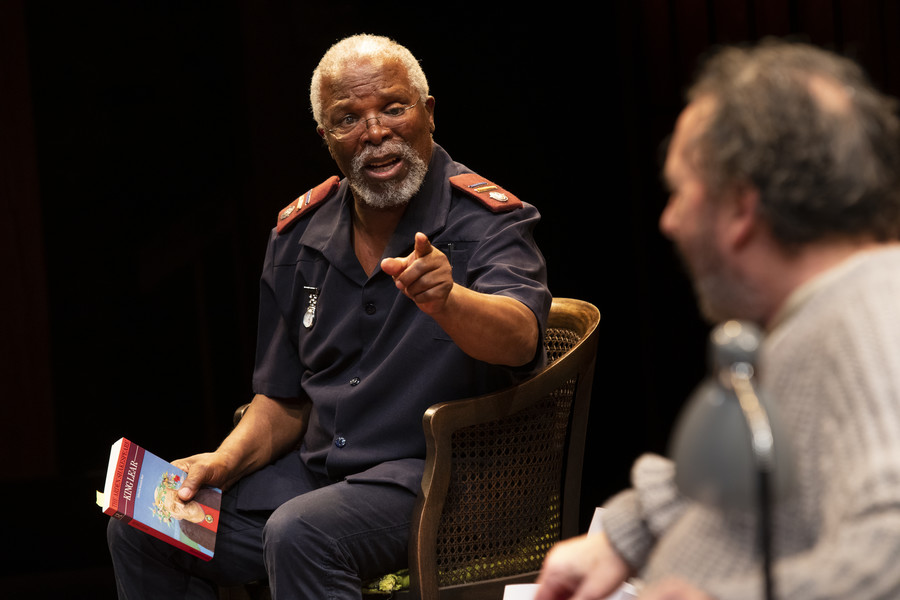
[
  {"x": 370, "y": 308},
  {"x": 340, "y": 441},
  {"x": 354, "y": 381}
]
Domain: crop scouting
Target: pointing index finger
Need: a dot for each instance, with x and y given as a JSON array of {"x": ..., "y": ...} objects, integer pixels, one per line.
[{"x": 423, "y": 245}]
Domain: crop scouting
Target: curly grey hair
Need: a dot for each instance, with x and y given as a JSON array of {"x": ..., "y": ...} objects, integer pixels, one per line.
[
  {"x": 806, "y": 128},
  {"x": 360, "y": 47}
]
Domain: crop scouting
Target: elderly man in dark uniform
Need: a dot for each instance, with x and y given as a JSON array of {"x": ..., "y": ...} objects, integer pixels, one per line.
[{"x": 410, "y": 281}]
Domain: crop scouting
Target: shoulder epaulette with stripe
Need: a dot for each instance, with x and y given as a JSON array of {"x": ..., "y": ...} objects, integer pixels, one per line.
[
  {"x": 307, "y": 203},
  {"x": 495, "y": 198}
]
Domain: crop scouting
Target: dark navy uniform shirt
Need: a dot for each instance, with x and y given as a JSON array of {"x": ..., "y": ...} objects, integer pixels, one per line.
[{"x": 370, "y": 360}]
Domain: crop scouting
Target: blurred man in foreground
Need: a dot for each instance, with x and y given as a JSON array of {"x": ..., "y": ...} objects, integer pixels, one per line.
[{"x": 784, "y": 177}]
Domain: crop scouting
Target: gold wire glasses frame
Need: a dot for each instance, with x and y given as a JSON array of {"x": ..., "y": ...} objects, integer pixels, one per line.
[{"x": 353, "y": 126}]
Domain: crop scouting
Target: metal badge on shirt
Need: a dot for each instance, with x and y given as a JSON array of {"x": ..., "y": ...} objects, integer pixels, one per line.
[{"x": 309, "y": 317}]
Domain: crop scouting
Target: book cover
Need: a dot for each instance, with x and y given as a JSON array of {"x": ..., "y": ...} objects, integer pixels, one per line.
[{"x": 141, "y": 490}]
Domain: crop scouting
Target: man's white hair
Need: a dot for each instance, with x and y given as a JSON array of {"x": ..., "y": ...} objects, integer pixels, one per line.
[{"x": 359, "y": 48}]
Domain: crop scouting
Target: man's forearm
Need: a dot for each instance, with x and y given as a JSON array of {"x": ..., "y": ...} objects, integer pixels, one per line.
[
  {"x": 268, "y": 429},
  {"x": 496, "y": 329}
]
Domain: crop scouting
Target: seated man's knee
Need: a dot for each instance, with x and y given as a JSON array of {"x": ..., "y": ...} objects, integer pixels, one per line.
[{"x": 290, "y": 531}]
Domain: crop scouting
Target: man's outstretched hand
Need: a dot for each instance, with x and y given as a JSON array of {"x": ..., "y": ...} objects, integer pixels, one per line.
[
  {"x": 425, "y": 275},
  {"x": 490, "y": 327}
]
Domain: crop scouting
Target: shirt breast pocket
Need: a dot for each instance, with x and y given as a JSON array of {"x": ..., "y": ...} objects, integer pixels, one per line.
[{"x": 458, "y": 255}]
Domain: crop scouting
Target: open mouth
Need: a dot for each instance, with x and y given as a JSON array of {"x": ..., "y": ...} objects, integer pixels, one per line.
[
  {"x": 391, "y": 161},
  {"x": 384, "y": 168}
]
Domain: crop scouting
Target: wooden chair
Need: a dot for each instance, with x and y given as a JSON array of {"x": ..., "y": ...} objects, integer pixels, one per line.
[
  {"x": 502, "y": 479},
  {"x": 503, "y": 471}
]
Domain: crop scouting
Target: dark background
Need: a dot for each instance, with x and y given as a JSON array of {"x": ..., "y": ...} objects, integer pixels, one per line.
[{"x": 146, "y": 148}]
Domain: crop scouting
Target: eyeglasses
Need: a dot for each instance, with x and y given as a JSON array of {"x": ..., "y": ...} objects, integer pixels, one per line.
[{"x": 352, "y": 126}]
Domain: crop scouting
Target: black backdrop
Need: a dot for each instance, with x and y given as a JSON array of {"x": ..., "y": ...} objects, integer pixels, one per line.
[{"x": 149, "y": 146}]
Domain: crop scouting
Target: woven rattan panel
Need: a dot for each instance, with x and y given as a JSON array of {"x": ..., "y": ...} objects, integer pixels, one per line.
[
  {"x": 502, "y": 511},
  {"x": 558, "y": 341}
]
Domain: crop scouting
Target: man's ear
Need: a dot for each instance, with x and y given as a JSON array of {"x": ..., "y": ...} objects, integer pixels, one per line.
[
  {"x": 742, "y": 215},
  {"x": 321, "y": 131},
  {"x": 429, "y": 106}
]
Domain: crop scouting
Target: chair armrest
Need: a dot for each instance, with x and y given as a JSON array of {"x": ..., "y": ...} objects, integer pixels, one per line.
[{"x": 239, "y": 413}]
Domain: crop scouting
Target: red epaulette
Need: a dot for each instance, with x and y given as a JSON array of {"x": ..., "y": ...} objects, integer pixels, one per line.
[
  {"x": 307, "y": 203},
  {"x": 488, "y": 193}
]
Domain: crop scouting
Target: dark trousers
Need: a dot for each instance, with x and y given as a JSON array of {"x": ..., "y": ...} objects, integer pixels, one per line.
[{"x": 318, "y": 545}]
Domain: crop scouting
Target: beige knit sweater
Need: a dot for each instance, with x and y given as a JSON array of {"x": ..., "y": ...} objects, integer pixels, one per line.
[{"x": 832, "y": 365}]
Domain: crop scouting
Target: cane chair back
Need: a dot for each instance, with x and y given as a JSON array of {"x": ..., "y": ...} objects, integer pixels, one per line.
[{"x": 503, "y": 471}]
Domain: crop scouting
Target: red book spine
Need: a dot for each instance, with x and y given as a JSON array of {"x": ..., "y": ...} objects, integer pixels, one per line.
[
  {"x": 134, "y": 459},
  {"x": 116, "y": 495}
]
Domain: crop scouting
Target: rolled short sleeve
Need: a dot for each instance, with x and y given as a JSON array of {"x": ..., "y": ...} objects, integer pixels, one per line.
[{"x": 278, "y": 369}]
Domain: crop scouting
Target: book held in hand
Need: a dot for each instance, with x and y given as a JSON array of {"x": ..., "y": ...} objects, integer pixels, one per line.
[{"x": 141, "y": 490}]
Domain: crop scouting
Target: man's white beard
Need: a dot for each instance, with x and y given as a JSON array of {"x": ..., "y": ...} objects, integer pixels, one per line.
[{"x": 388, "y": 194}]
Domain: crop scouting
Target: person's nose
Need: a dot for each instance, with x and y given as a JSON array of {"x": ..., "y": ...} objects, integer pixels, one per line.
[
  {"x": 668, "y": 220},
  {"x": 375, "y": 132}
]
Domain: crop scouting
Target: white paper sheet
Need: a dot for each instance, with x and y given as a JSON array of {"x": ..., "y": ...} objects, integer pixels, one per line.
[{"x": 527, "y": 591}]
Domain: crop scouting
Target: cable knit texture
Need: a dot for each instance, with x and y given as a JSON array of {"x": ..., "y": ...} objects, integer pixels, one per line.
[{"x": 833, "y": 366}]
